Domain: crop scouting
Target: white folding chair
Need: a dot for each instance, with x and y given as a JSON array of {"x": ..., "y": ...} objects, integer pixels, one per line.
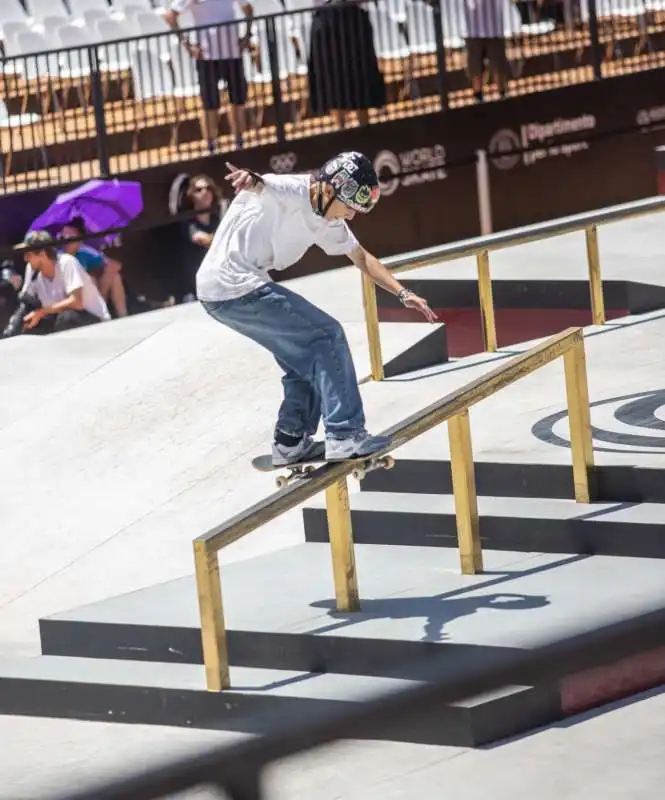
[
  {"x": 40, "y": 67},
  {"x": 79, "y": 7},
  {"x": 420, "y": 23},
  {"x": 116, "y": 57},
  {"x": 51, "y": 23},
  {"x": 90, "y": 18},
  {"x": 453, "y": 22},
  {"x": 12, "y": 14},
  {"x": 11, "y": 122},
  {"x": 388, "y": 40},
  {"x": 38, "y": 9},
  {"x": 151, "y": 81},
  {"x": 9, "y": 31}
]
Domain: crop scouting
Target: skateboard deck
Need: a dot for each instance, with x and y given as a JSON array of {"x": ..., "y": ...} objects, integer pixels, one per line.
[{"x": 301, "y": 469}]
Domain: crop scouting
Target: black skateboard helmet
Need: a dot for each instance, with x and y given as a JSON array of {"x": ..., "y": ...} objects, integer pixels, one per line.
[{"x": 356, "y": 184}]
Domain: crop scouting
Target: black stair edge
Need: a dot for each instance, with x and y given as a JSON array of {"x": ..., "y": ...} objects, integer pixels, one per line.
[
  {"x": 591, "y": 537},
  {"x": 506, "y": 713},
  {"x": 296, "y": 652},
  {"x": 612, "y": 483}
]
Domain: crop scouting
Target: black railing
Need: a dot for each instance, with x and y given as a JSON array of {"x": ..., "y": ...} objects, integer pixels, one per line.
[{"x": 104, "y": 103}]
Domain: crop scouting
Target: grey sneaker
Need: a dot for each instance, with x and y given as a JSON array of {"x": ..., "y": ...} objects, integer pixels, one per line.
[
  {"x": 306, "y": 449},
  {"x": 357, "y": 446}
]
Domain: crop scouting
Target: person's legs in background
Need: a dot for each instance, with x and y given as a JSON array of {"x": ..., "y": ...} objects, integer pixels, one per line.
[
  {"x": 210, "y": 73},
  {"x": 111, "y": 286},
  {"x": 234, "y": 74}
]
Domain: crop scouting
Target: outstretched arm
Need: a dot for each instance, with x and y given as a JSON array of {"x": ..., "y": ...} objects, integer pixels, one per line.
[{"x": 382, "y": 276}]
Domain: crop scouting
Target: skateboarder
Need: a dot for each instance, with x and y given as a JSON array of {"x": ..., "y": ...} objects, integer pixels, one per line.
[{"x": 271, "y": 223}]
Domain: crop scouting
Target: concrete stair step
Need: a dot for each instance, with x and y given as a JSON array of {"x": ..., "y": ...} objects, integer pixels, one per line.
[
  {"x": 137, "y": 657},
  {"x": 506, "y": 523},
  {"x": 175, "y": 694},
  {"x": 427, "y": 475}
]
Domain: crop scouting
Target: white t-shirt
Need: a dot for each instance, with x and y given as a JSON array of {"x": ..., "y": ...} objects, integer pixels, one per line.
[
  {"x": 69, "y": 275},
  {"x": 270, "y": 230},
  {"x": 484, "y": 19},
  {"x": 217, "y": 43}
]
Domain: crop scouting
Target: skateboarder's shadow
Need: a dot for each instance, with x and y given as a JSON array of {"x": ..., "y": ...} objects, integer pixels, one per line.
[{"x": 437, "y": 610}]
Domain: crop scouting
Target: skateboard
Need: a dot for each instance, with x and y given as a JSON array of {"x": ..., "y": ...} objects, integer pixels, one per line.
[{"x": 301, "y": 469}]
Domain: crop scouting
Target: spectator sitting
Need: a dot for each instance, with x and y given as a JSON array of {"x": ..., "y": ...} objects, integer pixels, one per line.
[
  {"x": 105, "y": 271},
  {"x": 68, "y": 295}
]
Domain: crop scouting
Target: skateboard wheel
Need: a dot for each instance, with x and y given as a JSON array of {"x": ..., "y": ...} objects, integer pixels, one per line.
[
  {"x": 358, "y": 473},
  {"x": 389, "y": 462},
  {"x": 281, "y": 482}
]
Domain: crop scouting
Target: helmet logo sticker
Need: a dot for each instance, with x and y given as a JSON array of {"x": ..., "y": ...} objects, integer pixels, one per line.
[
  {"x": 349, "y": 188},
  {"x": 363, "y": 195}
]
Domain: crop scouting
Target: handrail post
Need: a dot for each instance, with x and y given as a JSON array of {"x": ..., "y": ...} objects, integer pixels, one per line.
[
  {"x": 211, "y": 611},
  {"x": 595, "y": 277},
  {"x": 372, "y": 323},
  {"x": 464, "y": 489},
  {"x": 486, "y": 302},
  {"x": 579, "y": 417},
  {"x": 341, "y": 545}
]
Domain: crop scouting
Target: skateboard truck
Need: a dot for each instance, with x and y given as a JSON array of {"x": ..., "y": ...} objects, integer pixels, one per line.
[{"x": 365, "y": 465}]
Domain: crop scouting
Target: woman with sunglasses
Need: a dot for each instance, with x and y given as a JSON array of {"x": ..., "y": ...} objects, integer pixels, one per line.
[
  {"x": 204, "y": 197},
  {"x": 271, "y": 223}
]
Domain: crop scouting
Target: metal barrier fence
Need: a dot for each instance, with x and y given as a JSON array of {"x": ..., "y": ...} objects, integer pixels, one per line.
[{"x": 108, "y": 100}]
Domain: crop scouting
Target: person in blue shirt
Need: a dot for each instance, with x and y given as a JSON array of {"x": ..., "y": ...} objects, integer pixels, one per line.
[{"x": 105, "y": 271}]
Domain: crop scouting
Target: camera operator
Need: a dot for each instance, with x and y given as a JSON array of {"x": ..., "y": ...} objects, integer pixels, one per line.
[{"x": 67, "y": 295}]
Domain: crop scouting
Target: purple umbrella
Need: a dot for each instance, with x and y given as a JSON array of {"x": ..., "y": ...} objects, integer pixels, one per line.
[{"x": 100, "y": 204}]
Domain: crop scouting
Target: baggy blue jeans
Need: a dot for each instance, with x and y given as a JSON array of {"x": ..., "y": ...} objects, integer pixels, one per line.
[{"x": 312, "y": 350}]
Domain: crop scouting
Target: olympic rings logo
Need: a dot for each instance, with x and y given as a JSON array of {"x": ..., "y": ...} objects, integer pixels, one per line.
[{"x": 283, "y": 162}]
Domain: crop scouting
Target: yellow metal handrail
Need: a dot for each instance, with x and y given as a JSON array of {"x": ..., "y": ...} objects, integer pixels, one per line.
[
  {"x": 453, "y": 408},
  {"x": 481, "y": 246}
]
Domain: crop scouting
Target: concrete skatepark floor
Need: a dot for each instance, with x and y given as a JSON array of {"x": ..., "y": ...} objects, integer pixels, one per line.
[{"x": 139, "y": 435}]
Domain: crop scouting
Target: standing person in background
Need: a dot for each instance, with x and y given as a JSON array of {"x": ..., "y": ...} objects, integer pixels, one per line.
[
  {"x": 218, "y": 56},
  {"x": 204, "y": 196},
  {"x": 106, "y": 272},
  {"x": 486, "y": 41},
  {"x": 342, "y": 69}
]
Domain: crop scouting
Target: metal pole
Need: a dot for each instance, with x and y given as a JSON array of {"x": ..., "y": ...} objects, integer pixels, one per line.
[
  {"x": 486, "y": 302},
  {"x": 276, "y": 82},
  {"x": 596, "y": 57},
  {"x": 342, "y": 547},
  {"x": 442, "y": 74},
  {"x": 595, "y": 278},
  {"x": 372, "y": 323},
  {"x": 579, "y": 416},
  {"x": 484, "y": 193},
  {"x": 98, "y": 106},
  {"x": 464, "y": 488},
  {"x": 211, "y": 612}
]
